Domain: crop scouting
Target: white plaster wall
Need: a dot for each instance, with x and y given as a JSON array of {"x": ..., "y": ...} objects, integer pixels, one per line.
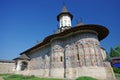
[
  {"x": 65, "y": 20},
  {"x": 18, "y": 66}
]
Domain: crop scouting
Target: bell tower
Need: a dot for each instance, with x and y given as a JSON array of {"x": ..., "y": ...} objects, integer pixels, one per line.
[{"x": 64, "y": 18}]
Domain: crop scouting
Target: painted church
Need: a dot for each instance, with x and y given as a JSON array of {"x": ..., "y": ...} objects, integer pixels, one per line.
[{"x": 71, "y": 52}]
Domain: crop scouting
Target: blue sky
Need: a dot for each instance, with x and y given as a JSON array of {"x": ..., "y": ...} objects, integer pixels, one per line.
[{"x": 25, "y": 22}]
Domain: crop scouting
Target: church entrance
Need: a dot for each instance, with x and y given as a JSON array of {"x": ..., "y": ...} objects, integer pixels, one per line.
[{"x": 24, "y": 65}]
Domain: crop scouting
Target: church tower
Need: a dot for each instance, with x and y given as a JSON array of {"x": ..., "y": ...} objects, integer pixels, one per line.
[{"x": 64, "y": 18}]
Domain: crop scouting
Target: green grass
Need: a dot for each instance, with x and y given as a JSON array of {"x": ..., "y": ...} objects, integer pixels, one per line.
[
  {"x": 21, "y": 77},
  {"x": 85, "y": 78},
  {"x": 4, "y": 74},
  {"x": 117, "y": 75}
]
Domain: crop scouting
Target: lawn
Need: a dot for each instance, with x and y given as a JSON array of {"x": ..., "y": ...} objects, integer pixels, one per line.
[
  {"x": 117, "y": 75},
  {"x": 21, "y": 77},
  {"x": 85, "y": 78}
]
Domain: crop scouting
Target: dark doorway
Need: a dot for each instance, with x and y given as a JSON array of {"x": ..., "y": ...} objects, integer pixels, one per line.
[{"x": 24, "y": 66}]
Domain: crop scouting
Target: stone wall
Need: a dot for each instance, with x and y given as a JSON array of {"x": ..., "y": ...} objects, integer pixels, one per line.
[{"x": 7, "y": 68}]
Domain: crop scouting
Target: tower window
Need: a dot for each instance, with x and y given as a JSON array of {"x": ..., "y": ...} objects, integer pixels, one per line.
[
  {"x": 78, "y": 57},
  {"x": 61, "y": 58}
]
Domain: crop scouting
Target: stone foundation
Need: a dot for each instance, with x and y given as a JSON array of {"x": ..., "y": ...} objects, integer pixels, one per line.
[{"x": 101, "y": 73}]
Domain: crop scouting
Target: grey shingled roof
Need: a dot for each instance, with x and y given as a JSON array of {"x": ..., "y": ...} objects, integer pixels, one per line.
[
  {"x": 23, "y": 56},
  {"x": 6, "y": 61}
]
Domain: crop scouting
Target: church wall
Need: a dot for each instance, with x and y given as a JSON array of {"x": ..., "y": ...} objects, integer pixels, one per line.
[
  {"x": 82, "y": 50},
  {"x": 40, "y": 62},
  {"x": 95, "y": 72},
  {"x": 79, "y": 51},
  {"x": 40, "y": 59},
  {"x": 57, "y": 58},
  {"x": 103, "y": 54},
  {"x": 39, "y": 72},
  {"x": 83, "y": 54},
  {"x": 57, "y": 72}
]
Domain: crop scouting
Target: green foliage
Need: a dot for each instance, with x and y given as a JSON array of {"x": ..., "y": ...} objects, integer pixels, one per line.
[
  {"x": 117, "y": 75},
  {"x": 117, "y": 48},
  {"x": 4, "y": 74},
  {"x": 115, "y": 52},
  {"x": 22, "y": 77},
  {"x": 14, "y": 76},
  {"x": 116, "y": 70},
  {"x": 85, "y": 78}
]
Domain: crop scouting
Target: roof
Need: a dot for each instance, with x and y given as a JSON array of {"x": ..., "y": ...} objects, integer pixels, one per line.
[
  {"x": 6, "y": 61},
  {"x": 64, "y": 11},
  {"x": 115, "y": 58},
  {"x": 103, "y": 48},
  {"x": 23, "y": 57},
  {"x": 101, "y": 31}
]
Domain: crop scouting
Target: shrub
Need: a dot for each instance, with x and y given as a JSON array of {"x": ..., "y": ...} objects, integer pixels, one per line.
[
  {"x": 85, "y": 78},
  {"x": 116, "y": 70}
]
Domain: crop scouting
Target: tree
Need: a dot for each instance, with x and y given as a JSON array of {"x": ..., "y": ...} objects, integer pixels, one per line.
[
  {"x": 115, "y": 52},
  {"x": 117, "y": 49}
]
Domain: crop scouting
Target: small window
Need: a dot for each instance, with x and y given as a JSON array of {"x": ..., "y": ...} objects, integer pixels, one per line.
[
  {"x": 78, "y": 57},
  {"x": 61, "y": 59}
]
